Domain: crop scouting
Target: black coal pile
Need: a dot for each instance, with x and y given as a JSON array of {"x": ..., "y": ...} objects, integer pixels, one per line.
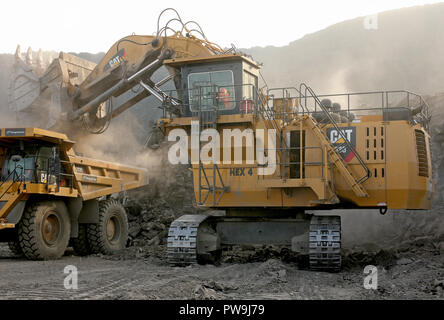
[
  {"x": 152, "y": 208},
  {"x": 384, "y": 258},
  {"x": 259, "y": 253},
  {"x": 149, "y": 221}
]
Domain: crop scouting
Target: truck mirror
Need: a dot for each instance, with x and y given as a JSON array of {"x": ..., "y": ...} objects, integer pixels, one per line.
[{"x": 16, "y": 158}]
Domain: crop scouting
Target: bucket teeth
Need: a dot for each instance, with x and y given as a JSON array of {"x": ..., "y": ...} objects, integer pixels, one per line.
[
  {"x": 18, "y": 54},
  {"x": 29, "y": 57},
  {"x": 40, "y": 59}
]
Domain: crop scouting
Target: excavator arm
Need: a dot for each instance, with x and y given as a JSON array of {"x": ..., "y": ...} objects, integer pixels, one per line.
[
  {"x": 132, "y": 61},
  {"x": 74, "y": 91}
]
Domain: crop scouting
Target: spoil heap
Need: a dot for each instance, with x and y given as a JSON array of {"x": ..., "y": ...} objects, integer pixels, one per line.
[{"x": 168, "y": 195}]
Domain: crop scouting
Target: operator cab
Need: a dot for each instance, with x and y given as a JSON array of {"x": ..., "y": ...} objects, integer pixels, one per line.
[
  {"x": 36, "y": 156},
  {"x": 27, "y": 161},
  {"x": 226, "y": 83}
]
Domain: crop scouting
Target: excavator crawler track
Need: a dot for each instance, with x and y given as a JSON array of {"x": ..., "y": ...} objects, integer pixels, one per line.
[
  {"x": 182, "y": 240},
  {"x": 325, "y": 243}
]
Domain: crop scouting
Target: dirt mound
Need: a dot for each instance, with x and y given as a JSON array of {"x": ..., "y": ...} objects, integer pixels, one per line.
[
  {"x": 151, "y": 209},
  {"x": 384, "y": 258},
  {"x": 258, "y": 253}
]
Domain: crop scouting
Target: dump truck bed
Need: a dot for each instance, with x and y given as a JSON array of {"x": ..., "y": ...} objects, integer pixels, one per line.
[{"x": 96, "y": 178}]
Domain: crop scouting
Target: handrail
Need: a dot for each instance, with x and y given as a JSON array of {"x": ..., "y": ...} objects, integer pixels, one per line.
[
  {"x": 332, "y": 121},
  {"x": 47, "y": 172},
  {"x": 271, "y": 117},
  {"x": 422, "y": 117},
  {"x": 20, "y": 178},
  {"x": 261, "y": 106}
]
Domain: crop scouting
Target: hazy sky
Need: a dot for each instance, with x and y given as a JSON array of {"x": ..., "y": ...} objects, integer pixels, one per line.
[{"x": 93, "y": 26}]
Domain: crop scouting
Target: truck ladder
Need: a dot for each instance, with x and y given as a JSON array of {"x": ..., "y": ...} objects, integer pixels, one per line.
[
  {"x": 337, "y": 160},
  {"x": 210, "y": 179}
]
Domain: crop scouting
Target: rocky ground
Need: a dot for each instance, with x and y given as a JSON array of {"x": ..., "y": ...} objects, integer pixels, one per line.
[
  {"x": 407, "y": 248},
  {"x": 141, "y": 273}
]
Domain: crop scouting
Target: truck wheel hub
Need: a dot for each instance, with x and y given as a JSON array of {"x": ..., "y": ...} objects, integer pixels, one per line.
[
  {"x": 51, "y": 229},
  {"x": 112, "y": 228}
]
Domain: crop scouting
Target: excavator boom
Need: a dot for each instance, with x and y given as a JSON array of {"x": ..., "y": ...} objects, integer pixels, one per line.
[{"x": 75, "y": 91}]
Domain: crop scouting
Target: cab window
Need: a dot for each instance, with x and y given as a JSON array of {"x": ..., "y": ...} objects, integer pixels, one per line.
[
  {"x": 42, "y": 158},
  {"x": 211, "y": 89},
  {"x": 23, "y": 168},
  {"x": 33, "y": 163},
  {"x": 250, "y": 85}
]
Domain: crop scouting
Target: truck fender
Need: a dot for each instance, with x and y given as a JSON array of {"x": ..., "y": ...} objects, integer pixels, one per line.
[
  {"x": 74, "y": 206},
  {"x": 82, "y": 212},
  {"x": 89, "y": 212}
]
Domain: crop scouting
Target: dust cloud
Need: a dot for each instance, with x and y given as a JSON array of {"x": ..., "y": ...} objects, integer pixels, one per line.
[
  {"x": 8, "y": 118},
  {"x": 123, "y": 142}
]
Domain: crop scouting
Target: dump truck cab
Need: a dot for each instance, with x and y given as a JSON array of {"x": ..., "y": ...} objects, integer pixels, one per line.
[
  {"x": 32, "y": 163},
  {"x": 49, "y": 196}
]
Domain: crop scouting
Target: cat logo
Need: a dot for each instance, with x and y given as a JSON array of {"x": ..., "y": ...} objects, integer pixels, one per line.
[
  {"x": 340, "y": 144},
  {"x": 116, "y": 60}
]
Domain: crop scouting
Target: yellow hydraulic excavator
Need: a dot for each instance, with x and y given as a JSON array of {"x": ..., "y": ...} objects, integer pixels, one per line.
[{"x": 265, "y": 156}]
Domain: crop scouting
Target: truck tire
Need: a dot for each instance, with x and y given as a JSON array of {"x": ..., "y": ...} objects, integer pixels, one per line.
[
  {"x": 81, "y": 244},
  {"x": 15, "y": 248},
  {"x": 111, "y": 233},
  {"x": 44, "y": 230}
]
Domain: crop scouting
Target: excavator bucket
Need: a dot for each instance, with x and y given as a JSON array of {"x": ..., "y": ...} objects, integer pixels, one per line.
[{"x": 38, "y": 94}]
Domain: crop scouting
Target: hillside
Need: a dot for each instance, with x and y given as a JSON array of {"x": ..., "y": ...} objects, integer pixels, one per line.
[{"x": 405, "y": 52}]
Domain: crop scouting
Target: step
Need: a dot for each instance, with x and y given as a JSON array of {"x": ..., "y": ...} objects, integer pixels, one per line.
[{"x": 10, "y": 204}]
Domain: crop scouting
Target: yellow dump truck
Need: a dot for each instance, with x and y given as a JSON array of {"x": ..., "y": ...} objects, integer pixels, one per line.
[{"x": 51, "y": 198}]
